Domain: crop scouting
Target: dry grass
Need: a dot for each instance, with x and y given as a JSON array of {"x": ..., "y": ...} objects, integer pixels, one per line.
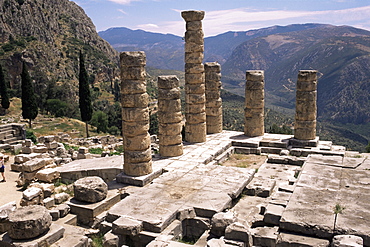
[{"x": 245, "y": 160}]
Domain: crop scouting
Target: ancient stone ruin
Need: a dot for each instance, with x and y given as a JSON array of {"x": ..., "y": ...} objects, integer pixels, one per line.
[
  {"x": 303, "y": 192},
  {"x": 169, "y": 117},
  {"x": 195, "y": 99}
]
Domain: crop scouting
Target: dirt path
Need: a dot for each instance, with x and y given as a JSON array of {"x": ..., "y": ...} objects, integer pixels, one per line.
[{"x": 9, "y": 190}]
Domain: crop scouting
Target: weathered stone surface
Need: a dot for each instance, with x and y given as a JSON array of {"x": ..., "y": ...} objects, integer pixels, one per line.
[
  {"x": 220, "y": 221},
  {"x": 288, "y": 240},
  {"x": 29, "y": 222},
  {"x": 265, "y": 236},
  {"x": 126, "y": 226},
  {"x": 110, "y": 240},
  {"x": 61, "y": 197},
  {"x": 138, "y": 100},
  {"x": 137, "y": 143},
  {"x": 134, "y": 58},
  {"x": 48, "y": 175},
  {"x": 31, "y": 193},
  {"x": 192, "y": 15},
  {"x": 171, "y": 150},
  {"x": 239, "y": 232},
  {"x": 347, "y": 241},
  {"x": 64, "y": 209},
  {"x": 90, "y": 189},
  {"x": 273, "y": 214},
  {"x": 138, "y": 169},
  {"x": 49, "y": 202}
]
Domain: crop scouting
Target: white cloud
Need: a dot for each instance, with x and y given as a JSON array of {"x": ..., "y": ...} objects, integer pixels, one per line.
[
  {"x": 122, "y": 11},
  {"x": 124, "y": 2},
  {"x": 148, "y": 26}
]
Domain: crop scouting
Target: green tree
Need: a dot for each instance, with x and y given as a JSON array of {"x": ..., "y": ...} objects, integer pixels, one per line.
[
  {"x": 5, "y": 103},
  {"x": 57, "y": 107},
  {"x": 84, "y": 95},
  {"x": 100, "y": 121},
  {"x": 29, "y": 103},
  {"x": 368, "y": 148}
]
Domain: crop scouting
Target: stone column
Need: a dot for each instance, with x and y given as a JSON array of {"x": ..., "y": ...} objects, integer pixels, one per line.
[
  {"x": 135, "y": 115},
  {"x": 305, "y": 116},
  {"x": 254, "y": 103},
  {"x": 195, "y": 111},
  {"x": 169, "y": 116},
  {"x": 213, "y": 97}
]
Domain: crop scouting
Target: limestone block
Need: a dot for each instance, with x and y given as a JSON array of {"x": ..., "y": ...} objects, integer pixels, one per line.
[
  {"x": 90, "y": 189},
  {"x": 195, "y": 108},
  {"x": 137, "y": 143},
  {"x": 29, "y": 222},
  {"x": 64, "y": 209},
  {"x": 213, "y": 80},
  {"x": 305, "y": 124},
  {"x": 61, "y": 197},
  {"x": 305, "y": 113},
  {"x": 196, "y": 118},
  {"x": 192, "y": 15},
  {"x": 193, "y": 47},
  {"x": 347, "y": 241},
  {"x": 196, "y": 78},
  {"x": 54, "y": 214},
  {"x": 195, "y": 36},
  {"x": 169, "y": 105},
  {"x": 212, "y": 94},
  {"x": 239, "y": 232},
  {"x": 34, "y": 165},
  {"x": 138, "y": 169},
  {"x": 139, "y": 100},
  {"x": 170, "y": 117},
  {"x": 110, "y": 240},
  {"x": 195, "y": 88},
  {"x": 194, "y": 57},
  {"x": 126, "y": 226},
  {"x": 265, "y": 236},
  {"x": 307, "y": 75},
  {"x": 48, "y": 175},
  {"x": 41, "y": 149},
  {"x": 27, "y": 150},
  {"x": 168, "y": 82},
  {"x": 28, "y": 143},
  {"x": 195, "y": 132},
  {"x": 137, "y": 156},
  {"x": 193, "y": 25},
  {"x": 186, "y": 213},
  {"x": 306, "y": 85},
  {"x": 35, "y": 201},
  {"x": 49, "y": 138},
  {"x": 195, "y": 98},
  {"x": 133, "y": 58},
  {"x": 305, "y": 133},
  {"x": 171, "y": 150},
  {"x": 287, "y": 240},
  {"x": 49, "y": 202},
  {"x": 214, "y": 103},
  {"x": 220, "y": 221},
  {"x": 273, "y": 214},
  {"x": 255, "y": 75},
  {"x": 194, "y": 68},
  {"x": 214, "y": 112},
  {"x": 306, "y": 96},
  {"x": 169, "y": 129},
  {"x": 51, "y": 145},
  {"x": 31, "y": 193},
  {"x": 260, "y": 187},
  {"x": 135, "y": 114},
  {"x": 170, "y": 139},
  {"x": 168, "y": 94},
  {"x": 133, "y": 73},
  {"x": 133, "y": 86},
  {"x": 131, "y": 129}
]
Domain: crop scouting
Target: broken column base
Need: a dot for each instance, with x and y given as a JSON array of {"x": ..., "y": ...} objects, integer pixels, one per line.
[
  {"x": 304, "y": 143},
  {"x": 139, "y": 180}
]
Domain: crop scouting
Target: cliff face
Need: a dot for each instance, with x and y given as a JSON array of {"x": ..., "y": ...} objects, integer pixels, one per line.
[{"x": 48, "y": 35}]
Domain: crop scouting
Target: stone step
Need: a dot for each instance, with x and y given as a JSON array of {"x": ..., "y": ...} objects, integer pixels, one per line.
[{"x": 73, "y": 237}]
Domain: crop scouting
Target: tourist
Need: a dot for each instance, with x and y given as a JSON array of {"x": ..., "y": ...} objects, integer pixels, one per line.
[{"x": 2, "y": 168}]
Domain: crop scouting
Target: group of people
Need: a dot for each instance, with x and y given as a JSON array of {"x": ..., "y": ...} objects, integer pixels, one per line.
[{"x": 2, "y": 168}]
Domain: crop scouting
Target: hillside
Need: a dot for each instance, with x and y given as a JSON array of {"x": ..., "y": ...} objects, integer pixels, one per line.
[{"x": 48, "y": 35}]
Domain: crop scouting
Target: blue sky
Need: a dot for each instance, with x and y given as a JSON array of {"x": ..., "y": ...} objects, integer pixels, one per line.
[{"x": 164, "y": 16}]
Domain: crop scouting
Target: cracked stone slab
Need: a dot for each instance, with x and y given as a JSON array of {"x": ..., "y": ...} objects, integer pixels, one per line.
[{"x": 288, "y": 240}]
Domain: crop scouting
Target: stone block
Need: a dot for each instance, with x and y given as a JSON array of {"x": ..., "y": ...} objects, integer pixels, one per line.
[
  {"x": 34, "y": 165},
  {"x": 31, "y": 193},
  {"x": 260, "y": 187},
  {"x": 131, "y": 129},
  {"x": 61, "y": 197},
  {"x": 40, "y": 149},
  {"x": 137, "y": 156},
  {"x": 137, "y": 143},
  {"x": 135, "y": 114},
  {"x": 47, "y": 189},
  {"x": 239, "y": 232},
  {"x": 29, "y": 222},
  {"x": 90, "y": 189},
  {"x": 54, "y": 214},
  {"x": 138, "y": 100},
  {"x": 48, "y": 175},
  {"x": 220, "y": 221},
  {"x": 51, "y": 145},
  {"x": 171, "y": 150},
  {"x": 110, "y": 240},
  {"x": 186, "y": 213},
  {"x": 197, "y": 78},
  {"x": 265, "y": 236},
  {"x": 49, "y": 202},
  {"x": 133, "y": 87},
  {"x": 138, "y": 169},
  {"x": 64, "y": 209},
  {"x": 132, "y": 73},
  {"x": 273, "y": 214},
  {"x": 347, "y": 241},
  {"x": 288, "y": 240},
  {"x": 126, "y": 226},
  {"x": 192, "y": 15}
]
